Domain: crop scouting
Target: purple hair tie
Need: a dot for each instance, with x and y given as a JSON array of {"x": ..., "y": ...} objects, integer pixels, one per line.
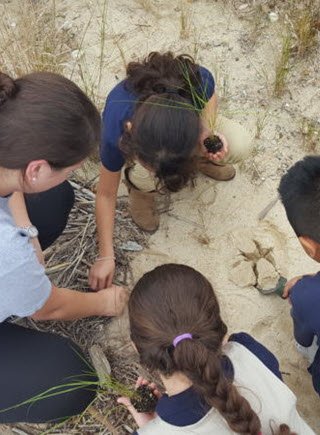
[{"x": 186, "y": 336}]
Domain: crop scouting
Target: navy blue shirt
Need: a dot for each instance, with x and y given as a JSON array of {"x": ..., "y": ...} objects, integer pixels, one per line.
[
  {"x": 305, "y": 299},
  {"x": 187, "y": 408},
  {"x": 119, "y": 108}
]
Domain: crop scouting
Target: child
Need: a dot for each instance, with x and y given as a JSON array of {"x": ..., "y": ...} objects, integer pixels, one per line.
[
  {"x": 215, "y": 383},
  {"x": 155, "y": 122},
  {"x": 300, "y": 194}
]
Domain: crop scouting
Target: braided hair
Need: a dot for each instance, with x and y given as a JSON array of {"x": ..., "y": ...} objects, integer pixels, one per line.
[{"x": 170, "y": 300}]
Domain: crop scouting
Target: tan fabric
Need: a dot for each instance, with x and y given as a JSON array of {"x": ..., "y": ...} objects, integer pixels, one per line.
[
  {"x": 269, "y": 397},
  {"x": 240, "y": 139},
  {"x": 141, "y": 178},
  {"x": 240, "y": 142}
]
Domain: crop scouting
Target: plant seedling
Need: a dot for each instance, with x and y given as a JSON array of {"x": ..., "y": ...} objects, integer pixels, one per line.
[
  {"x": 213, "y": 144},
  {"x": 144, "y": 399}
]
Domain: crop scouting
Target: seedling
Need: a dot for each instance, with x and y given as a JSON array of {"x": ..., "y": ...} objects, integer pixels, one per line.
[
  {"x": 282, "y": 66},
  {"x": 144, "y": 399},
  {"x": 213, "y": 144}
]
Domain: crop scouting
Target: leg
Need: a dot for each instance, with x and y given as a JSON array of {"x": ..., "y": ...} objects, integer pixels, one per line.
[
  {"x": 314, "y": 370},
  {"x": 240, "y": 142},
  {"x": 31, "y": 363},
  {"x": 49, "y": 211},
  {"x": 142, "y": 187}
]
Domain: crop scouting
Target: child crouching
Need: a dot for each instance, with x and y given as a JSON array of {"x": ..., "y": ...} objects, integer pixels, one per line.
[{"x": 215, "y": 383}]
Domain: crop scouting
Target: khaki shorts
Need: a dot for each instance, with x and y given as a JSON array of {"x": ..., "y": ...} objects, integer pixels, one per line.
[{"x": 240, "y": 142}]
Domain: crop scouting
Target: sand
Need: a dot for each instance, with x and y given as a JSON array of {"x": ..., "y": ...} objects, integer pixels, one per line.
[{"x": 212, "y": 226}]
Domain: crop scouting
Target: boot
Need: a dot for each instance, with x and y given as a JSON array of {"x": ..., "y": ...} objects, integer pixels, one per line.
[
  {"x": 216, "y": 171},
  {"x": 143, "y": 207}
]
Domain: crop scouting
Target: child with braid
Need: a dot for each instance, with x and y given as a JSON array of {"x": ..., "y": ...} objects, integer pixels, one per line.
[{"x": 215, "y": 383}]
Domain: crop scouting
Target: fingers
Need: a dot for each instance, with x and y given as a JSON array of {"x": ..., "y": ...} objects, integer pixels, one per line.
[
  {"x": 286, "y": 292},
  {"x": 124, "y": 401},
  {"x": 94, "y": 283},
  {"x": 101, "y": 283},
  {"x": 153, "y": 387},
  {"x": 109, "y": 279},
  {"x": 127, "y": 403}
]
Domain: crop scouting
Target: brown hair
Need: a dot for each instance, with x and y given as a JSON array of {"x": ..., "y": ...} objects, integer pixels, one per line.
[
  {"x": 174, "y": 299},
  {"x": 45, "y": 116},
  {"x": 166, "y": 122}
]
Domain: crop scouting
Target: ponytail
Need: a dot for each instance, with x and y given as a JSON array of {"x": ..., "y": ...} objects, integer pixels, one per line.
[
  {"x": 204, "y": 368},
  {"x": 172, "y": 300}
]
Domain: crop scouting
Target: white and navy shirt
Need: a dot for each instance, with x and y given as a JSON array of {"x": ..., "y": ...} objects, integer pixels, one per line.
[{"x": 255, "y": 372}]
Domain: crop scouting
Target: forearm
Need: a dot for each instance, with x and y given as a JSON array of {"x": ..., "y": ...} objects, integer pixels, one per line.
[
  {"x": 209, "y": 112},
  {"x": 66, "y": 304},
  {"x": 105, "y": 214},
  {"x": 18, "y": 209}
]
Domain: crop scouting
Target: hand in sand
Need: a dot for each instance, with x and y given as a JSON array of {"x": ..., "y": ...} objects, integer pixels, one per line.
[
  {"x": 141, "y": 418},
  {"x": 101, "y": 274}
]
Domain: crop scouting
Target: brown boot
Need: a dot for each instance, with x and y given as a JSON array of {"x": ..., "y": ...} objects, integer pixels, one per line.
[
  {"x": 143, "y": 207},
  {"x": 216, "y": 171}
]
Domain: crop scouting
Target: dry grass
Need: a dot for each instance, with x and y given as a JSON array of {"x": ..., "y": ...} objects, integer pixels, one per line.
[
  {"x": 35, "y": 37},
  {"x": 148, "y": 6},
  {"x": 310, "y": 130},
  {"x": 261, "y": 121},
  {"x": 305, "y": 19},
  {"x": 185, "y": 19},
  {"x": 282, "y": 65},
  {"x": 32, "y": 39}
]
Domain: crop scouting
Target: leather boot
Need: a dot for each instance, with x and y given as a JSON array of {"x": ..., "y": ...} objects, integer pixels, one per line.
[
  {"x": 143, "y": 207},
  {"x": 216, "y": 171}
]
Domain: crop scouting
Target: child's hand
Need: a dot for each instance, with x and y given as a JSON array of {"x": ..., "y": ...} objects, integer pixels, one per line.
[
  {"x": 292, "y": 282},
  {"x": 220, "y": 155},
  {"x": 141, "y": 418},
  {"x": 101, "y": 274}
]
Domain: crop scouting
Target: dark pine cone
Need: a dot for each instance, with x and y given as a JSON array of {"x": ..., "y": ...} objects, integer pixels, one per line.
[
  {"x": 213, "y": 144},
  {"x": 144, "y": 400}
]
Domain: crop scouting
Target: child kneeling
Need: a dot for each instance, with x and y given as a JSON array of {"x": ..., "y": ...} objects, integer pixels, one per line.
[
  {"x": 215, "y": 383},
  {"x": 299, "y": 191}
]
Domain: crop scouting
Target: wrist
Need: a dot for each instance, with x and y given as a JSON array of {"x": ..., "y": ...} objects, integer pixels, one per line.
[
  {"x": 29, "y": 231},
  {"x": 106, "y": 258}
]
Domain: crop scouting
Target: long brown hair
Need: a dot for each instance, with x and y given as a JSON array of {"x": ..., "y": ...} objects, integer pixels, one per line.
[
  {"x": 174, "y": 299},
  {"x": 166, "y": 123},
  {"x": 45, "y": 116}
]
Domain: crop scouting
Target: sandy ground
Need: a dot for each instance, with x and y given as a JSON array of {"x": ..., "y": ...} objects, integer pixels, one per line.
[{"x": 207, "y": 226}]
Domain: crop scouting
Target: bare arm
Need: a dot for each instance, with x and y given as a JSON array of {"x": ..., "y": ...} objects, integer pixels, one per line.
[
  {"x": 66, "y": 304},
  {"x": 208, "y": 116},
  {"x": 20, "y": 215},
  {"x": 101, "y": 273},
  {"x": 209, "y": 112}
]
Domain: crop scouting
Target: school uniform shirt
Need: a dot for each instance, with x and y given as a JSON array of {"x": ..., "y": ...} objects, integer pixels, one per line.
[
  {"x": 305, "y": 300},
  {"x": 24, "y": 286},
  {"x": 255, "y": 372},
  {"x": 119, "y": 108}
]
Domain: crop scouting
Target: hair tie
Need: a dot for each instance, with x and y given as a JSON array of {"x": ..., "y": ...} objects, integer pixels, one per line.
[{"x": 186, "y": 336}]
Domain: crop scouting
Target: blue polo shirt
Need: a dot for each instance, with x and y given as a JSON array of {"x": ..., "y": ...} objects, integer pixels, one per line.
[
  {"x": 187, "y": 408},
  {"x": 305, "y": 299},
  {"x": 119, "y": 108}
]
